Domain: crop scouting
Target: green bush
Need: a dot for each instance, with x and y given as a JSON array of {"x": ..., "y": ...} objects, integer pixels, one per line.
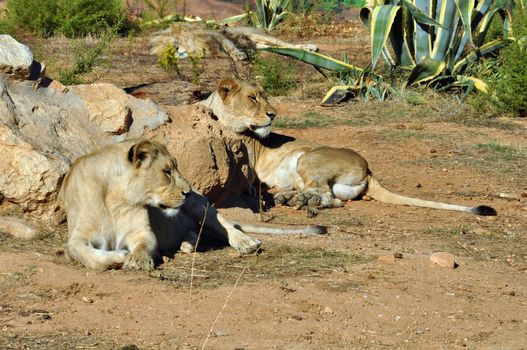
[
  {"x": 72, "y": 18},
  {"x": 37, "y": 16},
  {"x": 511, "y": 88},
  {"x": 274, "y": 76}
]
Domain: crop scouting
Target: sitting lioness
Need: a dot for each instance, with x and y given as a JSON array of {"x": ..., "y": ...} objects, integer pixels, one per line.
[
  {"x": 126, "y": 204},
  {"x": 307, "y": 174}
]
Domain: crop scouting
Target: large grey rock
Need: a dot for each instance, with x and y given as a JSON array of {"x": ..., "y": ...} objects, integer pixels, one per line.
[{"x": 15, "y": 58}]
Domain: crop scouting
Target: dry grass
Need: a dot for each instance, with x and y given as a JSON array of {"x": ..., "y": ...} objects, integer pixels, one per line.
[{"x": 276, "y": 262}]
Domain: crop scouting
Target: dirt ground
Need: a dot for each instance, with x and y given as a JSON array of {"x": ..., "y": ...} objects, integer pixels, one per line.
[{"x": 343, "y": 290}]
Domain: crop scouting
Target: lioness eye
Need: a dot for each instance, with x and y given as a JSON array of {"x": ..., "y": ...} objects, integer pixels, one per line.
[
  {"x": 167, "y": 171},
  {"x": 253, "y": 98}
]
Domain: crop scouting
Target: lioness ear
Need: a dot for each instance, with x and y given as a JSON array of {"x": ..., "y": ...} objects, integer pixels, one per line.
[
  {"x": 228, "y": 86},
  {"x": 142, "y": 153}
]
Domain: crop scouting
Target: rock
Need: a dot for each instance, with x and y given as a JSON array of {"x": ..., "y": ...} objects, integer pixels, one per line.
[
  {"x": 443, "y": 259},
  {"x": 114, "y": 111},
  {"x": 398, "y": 255},
  {"x": 327, "y": 310},
  {"x": 17, "y": 228},
  {"x": 212, "y": 159},
  {"x": 15, "y": 58}
]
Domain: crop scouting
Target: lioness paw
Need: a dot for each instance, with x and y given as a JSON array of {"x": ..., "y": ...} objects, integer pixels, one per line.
[
  {"x": 284, "y": 198},
  {"x": 245, "y": 244},
  {"x": 139, "y": 261}
]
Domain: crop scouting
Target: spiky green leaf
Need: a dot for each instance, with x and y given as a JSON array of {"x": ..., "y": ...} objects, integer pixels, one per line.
[
  {"x": 313, "y": 58},
  {"x": 381, "y": 24},
  {"x": 426, "y": 70}
]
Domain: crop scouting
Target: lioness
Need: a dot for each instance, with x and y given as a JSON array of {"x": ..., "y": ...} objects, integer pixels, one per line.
[
  {"x": 126, "y": 204},
  {"x": 306, "y": 173},
  {"x": 198, "y": 40}
]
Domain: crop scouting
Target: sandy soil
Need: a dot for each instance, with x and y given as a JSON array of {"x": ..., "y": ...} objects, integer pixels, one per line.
[{"x": 344, "y": 290}]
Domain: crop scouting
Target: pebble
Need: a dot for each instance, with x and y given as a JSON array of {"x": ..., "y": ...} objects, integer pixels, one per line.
[
  {"x": 398, "y": 255},
  {"x": 443, "y": 259},
  {"x": 328, "y": 310},
  {"x": 87, "y": 300}
]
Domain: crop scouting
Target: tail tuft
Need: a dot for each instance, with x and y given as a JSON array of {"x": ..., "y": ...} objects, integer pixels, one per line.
[
  {"x": 484, "y": 211},
  {"x": 316, "y": 230}
]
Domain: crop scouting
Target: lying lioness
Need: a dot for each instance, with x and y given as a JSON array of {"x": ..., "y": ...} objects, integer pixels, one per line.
[
  {"x": 126, "y": 204},
  {"x": 306, "y": 173}
]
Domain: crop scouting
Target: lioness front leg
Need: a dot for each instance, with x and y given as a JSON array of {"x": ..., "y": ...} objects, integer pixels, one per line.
[
  {"x": 143, "y": 250},
  {"x": 198, "y": 207}
]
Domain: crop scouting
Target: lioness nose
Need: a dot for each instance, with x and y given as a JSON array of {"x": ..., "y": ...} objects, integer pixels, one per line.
[
  {"x": 271, "y": 115},
  {"x": 186, "y": 191}
]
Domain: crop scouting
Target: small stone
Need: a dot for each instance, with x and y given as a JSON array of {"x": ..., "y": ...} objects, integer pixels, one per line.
[
  {"x": 398, "y": 255},
  {"x": 418, "y": 185},
  {"x": 87, "y": 300},
  {"x": 386, "y": 259},
  {"x": 328, "y": 310},
  {"x": 433, "y": 150},
  {"x": 366, "y": 198},
  {"x": 443, "y": 259},
  {"x": 297, "y": 317},
  {"x": 166, "y": 259}
]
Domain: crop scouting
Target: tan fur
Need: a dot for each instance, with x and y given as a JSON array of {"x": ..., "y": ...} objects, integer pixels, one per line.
[
  {"x": 198, "y": 40},
  {"x": 127, "y": 203},
  {"x": 307, "y": 174}
]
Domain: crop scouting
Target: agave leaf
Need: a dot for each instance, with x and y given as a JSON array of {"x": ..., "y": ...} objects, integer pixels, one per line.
[
  {"x": 382, "y": 21},
  {"x": 465, "y": 8},
  {"x": 399, "y": 39},
  {"x": 447, "y": 17},
  {"x": 487, "y": 20},
  {"x": 419, "y": 15},
  {"x": 228, "y": 20},
  {"x": 277, "y": 19},
  {"x": 313, "y": 58},
  {"x": 479, "y": 84},
  {"x": 338, "y": 94},
  {"x": 484, "y": 50},
  {"x": 426, "y": 70},
  {"x": 423, "y": 33}
]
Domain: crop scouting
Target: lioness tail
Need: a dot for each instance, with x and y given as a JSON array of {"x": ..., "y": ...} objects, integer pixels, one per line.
[
  {"x": 378, "y": 192},
  {"x": 281, "y": 230}
]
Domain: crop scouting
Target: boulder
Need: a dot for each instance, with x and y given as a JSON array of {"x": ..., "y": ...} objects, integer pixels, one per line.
[
  {"x": 212, "y": 159},
  {"x": 15, "y": 58}
]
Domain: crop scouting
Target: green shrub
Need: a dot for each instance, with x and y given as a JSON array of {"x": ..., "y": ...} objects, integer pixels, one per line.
[
  {"x": 86, "y": 59},
  {"x": 274, "y": 76},
  {"x": 72, "y": 18},
  {"x": 78, "y": 18},
  {"x": 511, "y": 88},
  {"x": 37, "y": 16}
]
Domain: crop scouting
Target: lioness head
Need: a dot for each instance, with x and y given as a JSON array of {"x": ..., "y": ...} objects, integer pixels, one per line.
[
  {"x": 156, "y": 180},
  {"x": 242, "y": 106}
]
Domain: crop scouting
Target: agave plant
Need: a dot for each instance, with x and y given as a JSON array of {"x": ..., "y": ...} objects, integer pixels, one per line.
[
  {"x": 269, "y": 13},
  {"x": 436, "y": 39}
]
